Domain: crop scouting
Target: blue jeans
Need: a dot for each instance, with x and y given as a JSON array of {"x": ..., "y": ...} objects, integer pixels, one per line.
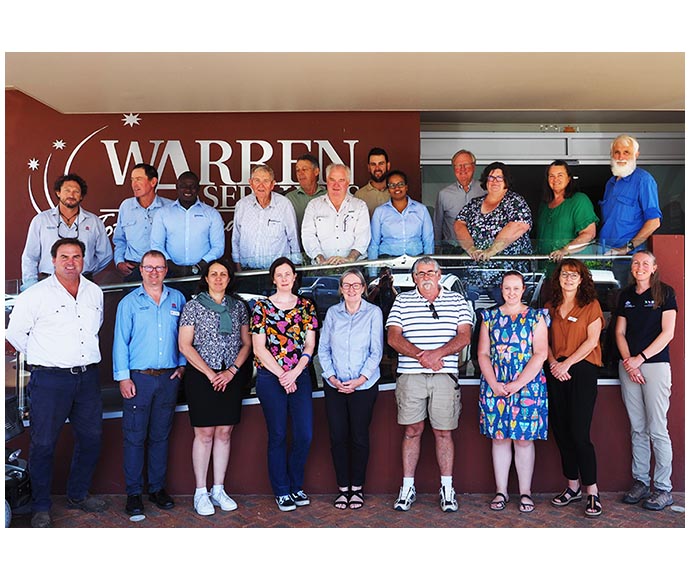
[
  {"x": 286, "y": 472},
  {"x": 149, "y": 414},
  {"x": 55, "y": 397}
]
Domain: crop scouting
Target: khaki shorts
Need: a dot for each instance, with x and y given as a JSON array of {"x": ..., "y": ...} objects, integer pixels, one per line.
[{"x": 437, "y": 394}]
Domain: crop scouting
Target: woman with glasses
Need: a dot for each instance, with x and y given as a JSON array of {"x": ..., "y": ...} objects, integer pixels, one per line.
[
  {"x": 401, "y": 225},
  {"x": 644, "y": 328},
  {"x": 566, "y": 222},
  {"x": 283, "y": 328},
  {"x": 214, "y": 337},
  {"x": 574, "y": 355},
  {"x": 495, "y": 224},
  {"x": 513, "y": 401},
  {"x": 350, "y": 351}
]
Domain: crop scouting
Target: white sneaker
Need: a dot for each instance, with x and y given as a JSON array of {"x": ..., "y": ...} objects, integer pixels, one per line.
[
  {"x": 405, "y": 499},
  {"x": 203, "y": 505},
  {"x": 223, "y": 501},
  {"x": 448, "y": 501}
]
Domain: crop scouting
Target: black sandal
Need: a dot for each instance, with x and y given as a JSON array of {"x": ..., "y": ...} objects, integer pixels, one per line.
[
  {"x": 500, "y": 504},
  {"x": 342, "y": 500},
  {"x": 356, "y": 498},
  {"x": 568, "y": 496},
  {"x": 526, "y": 508},
  {"x": 593, "y": 509}
]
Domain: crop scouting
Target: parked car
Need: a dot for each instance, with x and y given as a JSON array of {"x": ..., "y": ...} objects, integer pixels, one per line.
[{"x": 322, "y": 291}]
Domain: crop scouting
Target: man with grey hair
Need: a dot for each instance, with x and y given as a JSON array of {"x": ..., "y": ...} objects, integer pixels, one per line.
[
  {"x": 265, "y": 226},
  {"x": 630, "y": 208},
  {"x": 307, "y": 172},
  {"x": 428, "y": 326},
  {"x": 336, "y": 227},
  {"x": 453, "y": 198}
]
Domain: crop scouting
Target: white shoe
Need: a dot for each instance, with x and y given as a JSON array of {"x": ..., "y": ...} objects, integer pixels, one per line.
[
  {"x": 203, "y": 505},
  {"x": 447, "y": 499},
  {"x": 223, "y": 501},
  {"x": 405, "y": 499}
]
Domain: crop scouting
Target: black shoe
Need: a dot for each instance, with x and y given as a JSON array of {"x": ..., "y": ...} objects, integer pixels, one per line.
[
  {"x": 135, "y": 505},
  {"x": 89, "y": 504},
  {"x": 162, "y": 499}
]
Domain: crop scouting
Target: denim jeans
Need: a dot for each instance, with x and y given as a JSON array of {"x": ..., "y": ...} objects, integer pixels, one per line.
[
  {"x": 148, "y": 415},
  {"x": 286, "y": 471},
  {"x": 57, "y": 395}
]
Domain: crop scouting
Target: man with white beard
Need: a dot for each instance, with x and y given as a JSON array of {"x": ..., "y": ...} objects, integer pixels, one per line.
[{"x": 630, "y": 208}]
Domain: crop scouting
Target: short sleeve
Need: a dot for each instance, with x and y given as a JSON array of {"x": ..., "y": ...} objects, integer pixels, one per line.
[
  {"x": 258, "y": 319},
  {"x": 188, "y": 317},
  {"x": 543, "y": 313},
  {"x": 311, "y": 321},
  {"x": 519, "y": 210}
]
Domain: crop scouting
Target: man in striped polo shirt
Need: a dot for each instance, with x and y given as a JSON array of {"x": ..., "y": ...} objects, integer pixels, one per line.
[{"x": 428, "y": 326}]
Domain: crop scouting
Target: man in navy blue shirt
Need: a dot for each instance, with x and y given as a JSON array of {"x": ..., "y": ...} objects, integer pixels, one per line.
[{"x": 149, "y": 367}]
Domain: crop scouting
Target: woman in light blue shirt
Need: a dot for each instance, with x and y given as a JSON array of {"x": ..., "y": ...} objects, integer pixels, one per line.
[
  {"x": 350, "y": 351},
  {"x": 401, "y": 225}
]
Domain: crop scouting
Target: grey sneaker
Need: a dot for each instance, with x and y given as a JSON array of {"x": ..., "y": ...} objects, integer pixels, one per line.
[
  {"x": 658, "y": 500},
  {"x": 405, "y": 500},
  {"x": 448, "y": 501},
  {"x": 639, "y": 491},
  {"x": 41, "y": 520},
  {"x": 88, "y": 504}
]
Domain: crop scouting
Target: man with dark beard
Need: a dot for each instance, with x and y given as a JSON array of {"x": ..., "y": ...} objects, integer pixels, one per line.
[
  {"x": 375, "y": 193},
  {"x": 630, "y": 208}
]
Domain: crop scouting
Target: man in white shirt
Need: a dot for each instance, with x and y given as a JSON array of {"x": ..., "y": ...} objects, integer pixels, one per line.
[
  {"x": 428, "y": 326},
  {"x": 66, "y": 220},
  {"x": 453, "y": 198},
  {"x": 265, "y": 226},
  {"x": 336, "y": 227},
  {"x": 55, "y": 324}
]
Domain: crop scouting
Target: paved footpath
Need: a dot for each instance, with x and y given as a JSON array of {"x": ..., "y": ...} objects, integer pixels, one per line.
[{"x": 260, "y": 511}]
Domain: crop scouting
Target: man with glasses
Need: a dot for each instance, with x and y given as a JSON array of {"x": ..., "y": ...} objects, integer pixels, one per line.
[
  {"x": 149, "y": 367},
  {"x": 132, "y": 235},
  {"x": 428, "y": 326},
  {"x": 265, "y": 226},
  {"x": 67, "y": 220},
  {"x": 453, "y": 198},
  {"x": 375, "y": 192},
  {"x": 55, "y": 324}
]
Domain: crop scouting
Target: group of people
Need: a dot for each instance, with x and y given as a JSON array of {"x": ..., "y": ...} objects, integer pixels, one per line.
[{"x": 163, "y": 338}]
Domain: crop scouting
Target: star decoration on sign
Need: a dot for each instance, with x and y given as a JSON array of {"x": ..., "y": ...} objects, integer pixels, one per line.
[
  {"x": 59, "y": 144},
  {"x": 131, "y": 119},
  {"x": 33, "y": 164}
]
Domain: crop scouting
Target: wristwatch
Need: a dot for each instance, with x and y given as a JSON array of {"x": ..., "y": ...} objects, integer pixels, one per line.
[
  {"x": 195, "y": 269},
  {"x": 630, "y": 245}
]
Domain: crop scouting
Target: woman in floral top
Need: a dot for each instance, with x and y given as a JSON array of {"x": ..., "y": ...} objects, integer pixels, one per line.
[
  {"x": 283, "y": 336},
  {"x": 496, "y": 224}
]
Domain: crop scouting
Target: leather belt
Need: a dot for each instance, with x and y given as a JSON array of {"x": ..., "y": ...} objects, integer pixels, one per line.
[
  {"x": 153, "y": 372},
  {"x": 72, "y": 370}
]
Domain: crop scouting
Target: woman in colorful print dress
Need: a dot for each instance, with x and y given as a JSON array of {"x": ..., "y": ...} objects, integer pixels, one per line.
[
  {"x": 513, "y": 403},
  {"x": 283, "y": 328}
]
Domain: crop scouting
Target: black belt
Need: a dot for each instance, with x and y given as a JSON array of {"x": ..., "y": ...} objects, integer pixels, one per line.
[
  {"x": 72, "y": 370},
  {"x": 153, "y": 372}
]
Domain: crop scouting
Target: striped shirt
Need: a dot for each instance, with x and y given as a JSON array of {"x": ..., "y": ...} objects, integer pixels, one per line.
[{"x": 412, "y": 313}]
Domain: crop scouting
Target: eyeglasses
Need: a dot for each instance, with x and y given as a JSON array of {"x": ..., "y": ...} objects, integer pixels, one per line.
[
  {"x": 396, "y": 185},
  {"x": 76, "y": 225},
  {"x": 429, "y": 274},
  {"x": 150, "y": 269},
  {"x": 496, "y": 178},
  {"x": 354, "y": 286},
  {"x": 571, "y": 275},
  {"x": 433, "y": 311}
]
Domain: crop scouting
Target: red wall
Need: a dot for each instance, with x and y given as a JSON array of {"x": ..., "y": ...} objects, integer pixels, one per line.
[{"x": 98, "y": 148}]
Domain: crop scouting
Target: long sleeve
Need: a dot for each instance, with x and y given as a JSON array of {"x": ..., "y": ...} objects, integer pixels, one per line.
[
  {"x": 310, "y": 241},
  {"x": 291, "y": 233},
  {"x": 121, "y": 340},
  {"x": 158, "y": 234},
  {"x": 103, "y": 251},
  {"x": 427, "y": 233},
  {"x": 31, "y": 255},
  {"x": 216, "y": 237},
  {"x": 375, "y": 242}
]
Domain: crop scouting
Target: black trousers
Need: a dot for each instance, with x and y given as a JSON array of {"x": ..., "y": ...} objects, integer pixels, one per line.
[
  {"x": 571, "y": 406},
  {"x": 349, "y": 417}
]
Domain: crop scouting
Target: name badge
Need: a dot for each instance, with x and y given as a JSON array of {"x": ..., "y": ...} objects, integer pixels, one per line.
[
  {"x": 572, "y": 319},
  {"x": 174, "y": 313}
]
